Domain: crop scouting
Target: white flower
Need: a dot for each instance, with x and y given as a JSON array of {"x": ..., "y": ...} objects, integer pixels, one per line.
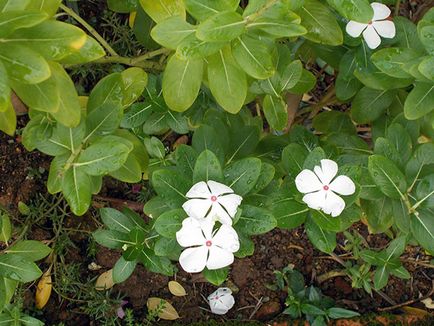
[
  {"x": 221, "y": 300},
  {"x": 213, "y": 200},
  {"x": 206, "y": 247},
  {"x": 378, "y": 26},
  {"x": 320, "y": 189}
]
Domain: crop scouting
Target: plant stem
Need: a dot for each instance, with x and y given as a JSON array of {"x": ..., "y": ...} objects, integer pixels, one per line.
[
  {"x": 134, "y": 62},
  {"x": 91, "y": 30},
  {"x": 397, "y": 5}
]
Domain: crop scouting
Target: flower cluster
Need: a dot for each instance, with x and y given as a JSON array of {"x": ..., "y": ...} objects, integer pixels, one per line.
[{"x": 208, "y": 246}]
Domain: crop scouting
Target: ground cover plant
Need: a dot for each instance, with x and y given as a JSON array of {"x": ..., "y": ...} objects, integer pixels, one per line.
[{"x": 195, "y": 160}]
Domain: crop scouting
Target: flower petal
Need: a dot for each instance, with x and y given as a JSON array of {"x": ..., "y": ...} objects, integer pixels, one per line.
[
  {"x": 199, "y": 190},
  {"x": 219, "y": 258},
  {"x": 307, "y": 181},
  {"x": 219, "y": 188},
  {"x": 371, "y": 37},
  {"x": 217, "y": 213},
  {"x": 226, "y": 238},
  {"x": 385, "y": 28},
  {"x": 380, "y": 11},
  {"x": 230, "y": 202},
  {"x": 329, "y": 169},
  {"x": 197, "y": 207},
  {"x": 354, "y": 29},
  {"x": 221, "y": 300},
  {"x": 315, "y": 200},
  {"x": 334, "y": 205},
  {"x": 343, "y": 185},
  {"x": 191, "y": 233},
  {"x": 193, "y": 260}
]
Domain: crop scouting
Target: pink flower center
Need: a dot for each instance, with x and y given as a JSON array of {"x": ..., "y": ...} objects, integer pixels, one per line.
[
  {"x": 213, "y": 198},
  {"x": 208, "y": 243},
  {"x": 326, "y": 188}
]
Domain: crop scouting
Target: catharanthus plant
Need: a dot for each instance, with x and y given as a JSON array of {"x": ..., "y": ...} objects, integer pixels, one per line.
[
  {"x": 321, "y": 188},
  {"x": 378, "y": 26},
  {"x": 206, "y": 246},
  {"x": 212, "y": 200},
  {"x": 221, "y": 301}
]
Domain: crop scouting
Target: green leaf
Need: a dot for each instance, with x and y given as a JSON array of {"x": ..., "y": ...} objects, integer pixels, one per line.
[
  {"x": 255, "y": 56},
  {"x": 29, "y": 249},
  {"x": 55, "y": 176},
  {"x": 387, "y": 176},
  {"x": 358, "y": 10},
  {"x": 227, "y": 82},
  {"x": 309, "y": 309},
  {"x": 115, "y": 220},
  {"x": 181, "y": 82},
  {"x": 155, "y": 263},
  {"x": 289, "y": 213},
  {"x": 13, "y": 20},
  {"x": 293, "y": 157},
  {"x": 216, "y": 276},
  {"x": 162, "y": 9},
  {"x": 136, "y": 115},
  {"x": 369, "y": 104},
  {"x": 243, "y": 141},
  {"x": 425, "y": 192},
  {"x": 105, "y": 155},
  {"x": 8, "y": 120},
  {"x": 320, "y": 23},
  {"x": 339, "y": 313},
  {"x": 186, "y": 159},
  {"x": 18, "y": 268},
  {"x": 5, "y": 227},
  {"x": 422, "y": 228},
  {"x": 422, "y": 161},
  {"x": 171, "y": 31},
  {"x": 379, "y": 214},
  {"x": 130, "y": 171},
  {"x": 53, "y": 39},
  {"x": 325, "y": 222},
  {"x": 221, "y": 27},
  {"x": 76, "y": 187},
  {"x": 334, "y": 121},
  {"x": 5, "y": 91},
  {"x": 420, "y": 101},
  {"x": 291, "y": 75},
  {"x": 255, "y": 220},
  {"x": 203, "y": 9},
  {"x": 12, "y": 5},
  {"x": 166, "y": 247},
  {"x": 242, "y": 175},
  {"x": 321, "y": 239},
  {"x": 426, "y": 67},
  {"x": 23, "y": 64},
  {"x": 170, "y": 185},
  {"x": 134, "y": 81},
  {"x": 122, "y": 6},
  {"x": 123, "y": 270},
  {"x": 267, "y": 174},
  {"x": 168, "y": 223},
  {"x": 305, "y": 84},
  {"x": 110, "y": 238},
  {"x": 392, "y": 60},
  {"x": 207, "y": 168},
  {"x": 7, "y": 290},
  {"x": 108, "y": 90},
  {"x": 48, "y": 6},
  {"x": 90, "y": 51},
  {"x": 381, "y": 277},
  {"x": 275, "y": 112},
  {"x": 206, "y": 138},
  {"x": 401, "y": 272},
  {"x": 405, "y": 34}
]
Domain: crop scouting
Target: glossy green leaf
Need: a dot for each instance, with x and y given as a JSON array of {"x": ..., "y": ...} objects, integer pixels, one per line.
[
  {"x": 255, "y": 220},
  {"x": 168, "y": 223},
  {"x": 170, "y": 185},
  {"x": 115, "y": 220},
  {"x": 293, "y": 157},
  {"x": 5, "y": 90},
  {"x": 13, "y": 20},
  {"x": 155, "y": 263},
  {"x": 207, "y": 168},
  {"x": 31, "y": 250},
  {"x": 5, "y": 227},
  {"x": 166, "y": 247},
  {"x": 420, "y": 101},
  {"x": 216, "y": 276},
  {"x": 221, "y": 27},
  {"x": 48, "y": 6},
  {"x": 242, "y": 175},
  {"x": 357, "y": 10},
  {"x": 255, "y": 56},
  {"x": 110, "y": 238},
  {"x": 8, "y": 120},
  {"x": 227, "y": 82},
  {"x": 90, "y": 51},
  {"x": 53, "y": 39},
  {"x": 162, "y": 9},
  {"x": 422, "y": 228},
  {"x": 123, "y": 269},
  {"x": 289, "y": 213},
  {"x": 18, "y": 268},
  {"x": 320, "y": 23},
  {"x": 369, "y": 104},
  {"x": 12, "y": 5},
  {"x": 181, "y": 82},
  {"x": 23, "y": 64},
  {"x": 334, "y": 121},
  {"x": 392, "y": 60},
  {"x": 76, "y": 187},
  {"x": 387, "y": 176},
  {"x": 203, "y": 9},
  {"x": 275, "y": 112},
  {"x": 134, "y": 82},
  {"x": 421, "y": 162},
  {"x": 171, "y": 31},
  {"x": 426, "y": 67},
  {"x": 321, "y": 239},
  {"x": 130, "y": 171},
  {"x": 122, "y": 6}
]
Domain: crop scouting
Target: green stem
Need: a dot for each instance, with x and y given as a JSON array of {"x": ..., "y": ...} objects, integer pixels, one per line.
[
  {"x": 91, "y": 30},
  {"x": 134, "y": 62},
  {"x": 397, "y": 5}
]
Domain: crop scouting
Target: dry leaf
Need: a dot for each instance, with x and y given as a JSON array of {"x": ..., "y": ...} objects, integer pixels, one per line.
[
  {"x": 132, "y": 19},
  {"x": 176, "y": 289},
  {"x": 43, "y": 290},
  {"x": 428, "y": 303},
  {"x": 415, "y": 311},
  {"x": 164, "y": 309},
  {"x": 105, "y": 281}
]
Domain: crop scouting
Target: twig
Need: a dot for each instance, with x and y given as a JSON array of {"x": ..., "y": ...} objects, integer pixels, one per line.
[
  {"x": 409, "y": 302},
  {"x": 334, "y": 273},
  {"x": 258, "y": 305},
  {"x": 138, "y": 207}
]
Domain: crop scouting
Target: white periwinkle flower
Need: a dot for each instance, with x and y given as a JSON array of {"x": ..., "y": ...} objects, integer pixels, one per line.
[
  {"x": 221, "y": 301},
  {"x": 212, "y": 199},
  {"x": 378, "y": 26},
  {"x": 321, "y": 191},
  {"x": 206, "y": 247}
]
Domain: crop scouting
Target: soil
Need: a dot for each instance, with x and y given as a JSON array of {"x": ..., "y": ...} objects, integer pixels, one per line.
[{"x": 23, "y": 175}]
